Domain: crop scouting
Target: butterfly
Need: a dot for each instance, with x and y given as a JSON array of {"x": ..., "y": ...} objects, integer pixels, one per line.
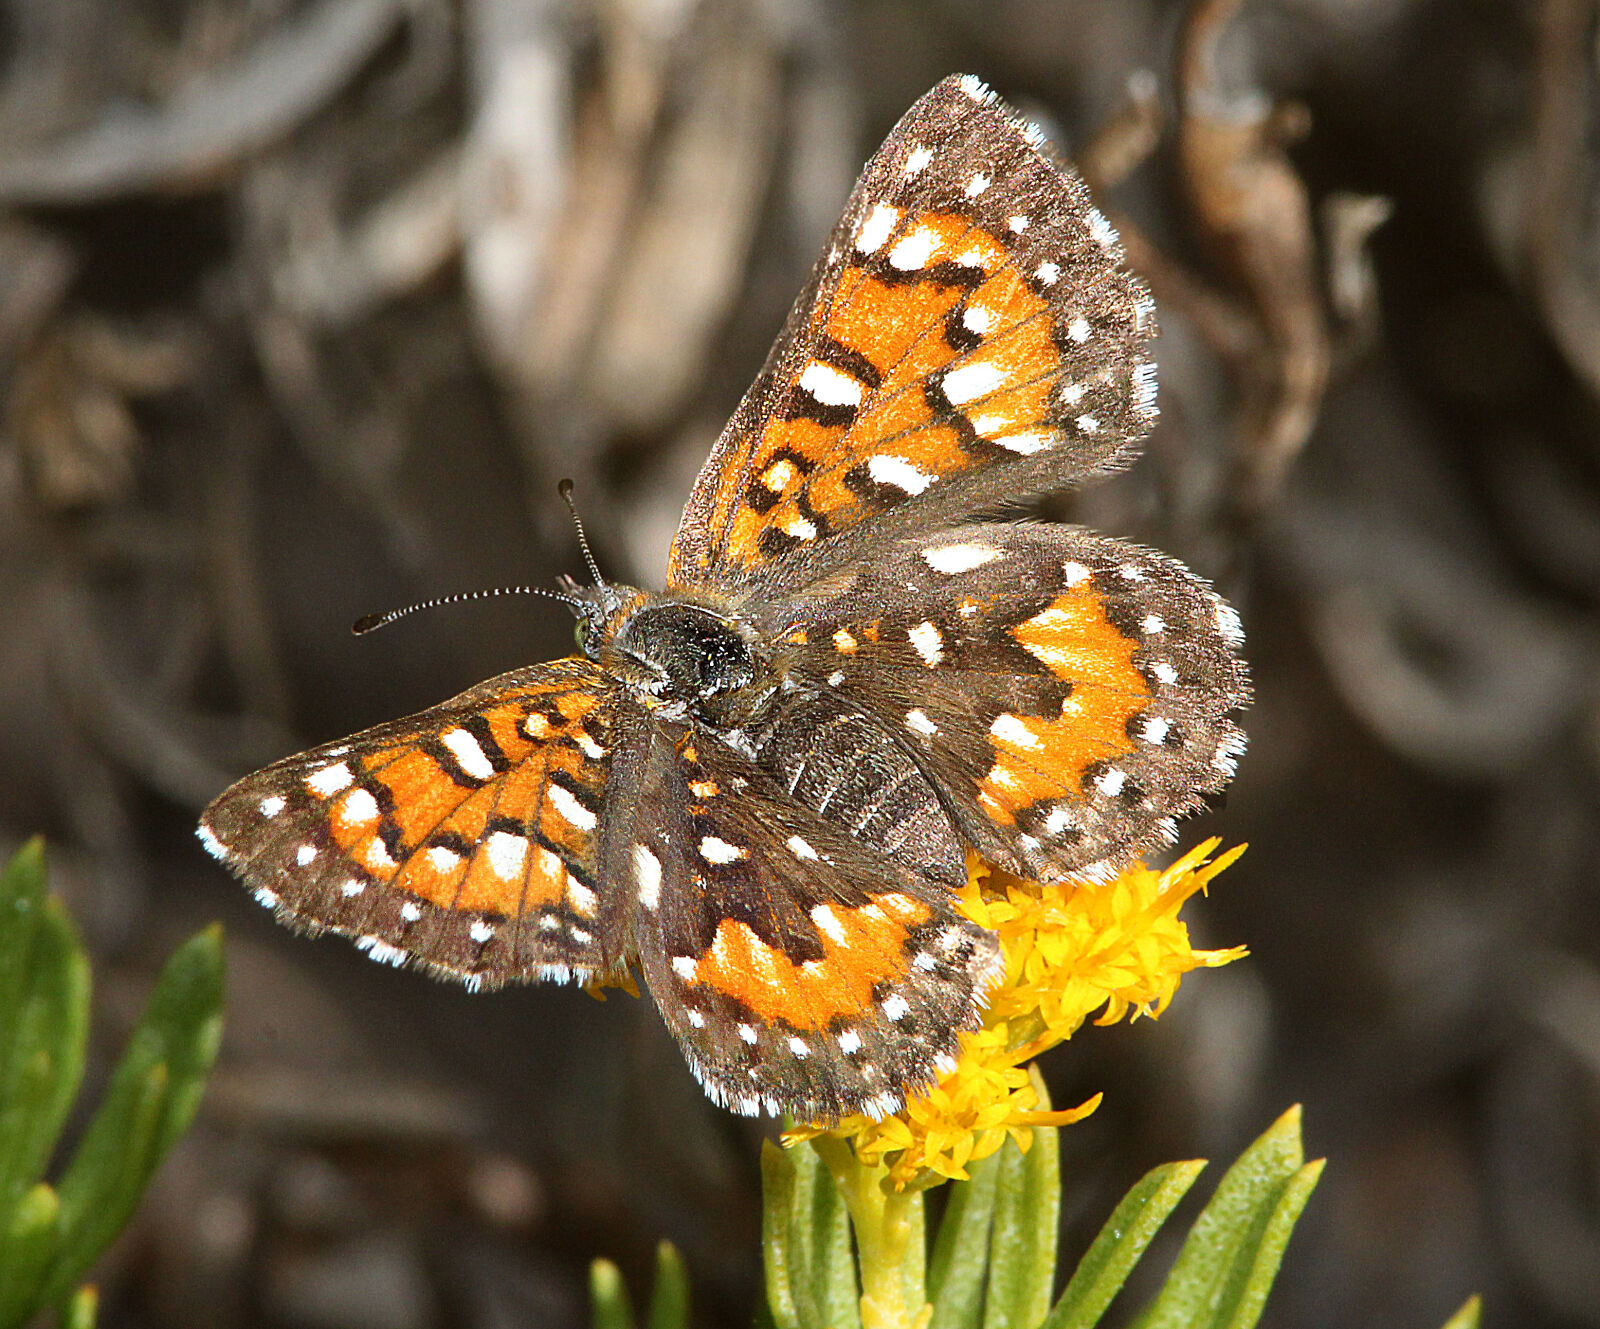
[{"x": 760, "y": 786}]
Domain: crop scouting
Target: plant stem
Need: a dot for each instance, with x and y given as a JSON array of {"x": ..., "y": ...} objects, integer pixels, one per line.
[{"x": 885, "y": 1223}]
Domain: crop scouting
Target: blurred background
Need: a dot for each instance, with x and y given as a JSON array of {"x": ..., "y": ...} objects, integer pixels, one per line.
[{"x": 305, "y": 306}]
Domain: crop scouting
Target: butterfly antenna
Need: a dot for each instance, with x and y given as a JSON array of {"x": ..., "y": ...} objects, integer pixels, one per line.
[
  {"x": 565, "y": 490},
  {"x": 372, "y": 622}
]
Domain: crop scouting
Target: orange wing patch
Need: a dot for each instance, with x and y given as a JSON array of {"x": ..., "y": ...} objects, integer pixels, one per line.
[
  {"x": 1039, "y": 759},
  {"x": 933, "y": 356},
  {"x": 861, "y": 948}
]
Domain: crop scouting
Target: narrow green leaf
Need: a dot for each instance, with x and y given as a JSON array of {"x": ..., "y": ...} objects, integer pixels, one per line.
[
  {"x": 22, "y": 888},
  {"x": 961, "y": 1250},
  {"x": 152, "y": 1097},
  {"x": 44, "y": 1056},
  {"x": 669, "y": 1298},
  {"x": 609, "y": 1297},
  {"x": 1120, "y": 1245},
  {"x": 1469, "y": 1314},
  {"x": 811, "y": 1179},
  {"x": 1228, "y": 1230},
  {"x": 83, "y": 1310},
  {"x": 778, "y": 1185},
  {"x": 1022, "y": 1247},
  {"x": 1246, "y": 1295},
  {"x": 831, "y": 1253},
  {"x": 914, "y": 1269},
  {"x": 27, "y": 1247}
]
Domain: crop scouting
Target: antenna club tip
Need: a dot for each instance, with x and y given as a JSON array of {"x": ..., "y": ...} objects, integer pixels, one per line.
[
  {"x": 564, "y": 487},
  {"x": 365, "y": 624}
]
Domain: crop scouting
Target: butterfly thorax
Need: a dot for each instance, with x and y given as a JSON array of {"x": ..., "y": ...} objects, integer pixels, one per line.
[{"x": 680, "y": 655}]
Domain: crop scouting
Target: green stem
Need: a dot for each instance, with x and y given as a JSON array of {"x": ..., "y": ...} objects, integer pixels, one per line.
[{"x": 885, "y": 1223}]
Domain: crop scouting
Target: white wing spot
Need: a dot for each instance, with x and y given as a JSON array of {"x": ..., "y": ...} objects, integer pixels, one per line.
[
  {"x": 1061, "y": 817},
  {"x": 588, "y": 746},
  {"x": 443, "y": 858},
  {"x": 647, "y": 875},
  {"x": 572, "y": 811},
  {"x": 899, "y": 473},
  {"x": 801, "y": 848},
  {"x": 409, "y": 912},
  {"x": 1104, "y": 233},
  {"x": 876, "y": 227},
  {"x": 1131, "y": 572},
  {"x": 849, "y": 1041},
  {"x": 267, "y": 896},
  {"x": 1154, "y": 625},
  {"x": 976, "y": 184},
  {"x": 1018, "y": 224},
  {"x": 970, "y": 382},
  {"x": 830, "y": 386},
  {"x": 828, "y": 924},
  {"x": 913, "y": 250},
  {"x": 1027, "y": 443},
  {"x": 924, "y": 961},
  {"x": 918, "y": 723},
  {"x": 777, "y": 476},
  {"x": 715, "y": 850},
  {"x": 535, "y": 726},
  {"x": 1088, "y": 424},
  {"x": 1229, "y": 624},
  {"x": 916, "y": 159},
  {"x": 1047, "y": 272},
  {"x": 1013, "y": 731},
  {"x": 1078, "y": 329},
  {"x": 952, "y": 559},
  {"x": 352, "y": 888},
  {"x": 1154, "y": 729},
  {"x": 844, "y": 642},
  {"x": 468, "y": 754},
  {"x": 380, "y": 950},
  {"x": 974, "y": 87},
  {"x": 1110, "y": 782},
  {"x": 1075, "y": 573},
  {"x": 1071, "y": 394},
  {"x": 748, "y": 1033},
  {"x": 376, "y": 855},
  {"x": 929, "y": 642},
  {"x": 799, "y": 1046},
  {"x": 328, "y": 781},
  {"x": 580, "y": 897},
  {"x": 305, "y": 854},
  {"x": 977, "y": 319},
  {"x": 507, "y": 853},
  {"x": 1164, "y": 672},
  {"x": 696, "y": 1020},
  {"x": 894, "y": 1008},
  {"x": 480, "y": 931},
  {"x": 801, "y": 528},
  {"x": 272, "y": 805},
  {"x": 836, "y": 678},
  {"x": 208, "y": 839}
]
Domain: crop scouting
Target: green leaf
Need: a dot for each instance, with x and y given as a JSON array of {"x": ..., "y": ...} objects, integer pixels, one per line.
[
  {"x": 609, "y": 1297},
  {"x": 669, "y": 1299},
  {"x": 1120, "y": 1245},
  {"x": 27, "y": 1246},
  {"x": 83, "y": 1309},
  {"x": 779, "y": 1180},
  {"x": 1468, "y": 1316},
  {"x": 1022, "y": 1247},
  {"x": 1231, "y": 1255},
  {"x": 961, "y": 1250},
  {"x": 831, "y": 1262},
  {"x": 152, "y": 1097},
  {"x": 44, "y": 1016}
]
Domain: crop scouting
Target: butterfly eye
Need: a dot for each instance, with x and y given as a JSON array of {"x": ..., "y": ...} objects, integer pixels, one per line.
[{"x": 580, "y": 633}]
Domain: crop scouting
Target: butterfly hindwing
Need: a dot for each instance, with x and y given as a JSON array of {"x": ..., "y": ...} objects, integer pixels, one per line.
[
  {"x": 461, "y": 837},
  {"x": 800, "y": 971},
  {"x": 1070, "y": 695},
  {"x": 970, "y": 337}
]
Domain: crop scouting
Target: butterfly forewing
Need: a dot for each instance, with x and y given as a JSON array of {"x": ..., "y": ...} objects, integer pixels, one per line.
[
  {"x": 800, "y": 971},
  {"x": 970, "y": 337},
  {"x": 461, "y": 837},
  {"x": 1069, "y": 694}
]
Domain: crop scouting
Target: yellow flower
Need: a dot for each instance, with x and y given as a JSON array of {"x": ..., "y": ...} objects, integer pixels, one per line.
[{"x": 1114, "y": 947}]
